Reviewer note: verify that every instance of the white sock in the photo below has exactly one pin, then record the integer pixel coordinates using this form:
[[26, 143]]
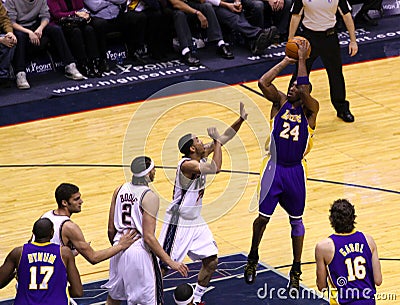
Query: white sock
[[185, 50], [221, 42], [198, 293]]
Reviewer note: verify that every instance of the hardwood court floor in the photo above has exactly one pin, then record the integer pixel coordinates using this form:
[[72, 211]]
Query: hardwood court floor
[[364, 153]]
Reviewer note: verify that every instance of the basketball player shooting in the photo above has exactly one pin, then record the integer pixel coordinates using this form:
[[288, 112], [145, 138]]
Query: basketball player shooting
[[293, 119]]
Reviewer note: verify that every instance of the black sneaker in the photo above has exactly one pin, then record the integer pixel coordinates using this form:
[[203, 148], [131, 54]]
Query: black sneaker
[[191, 60], [225, 52], [264, 40], [294, 284], [250, 272], [141, 56], [102, 65], [346, 116], [364, 19]]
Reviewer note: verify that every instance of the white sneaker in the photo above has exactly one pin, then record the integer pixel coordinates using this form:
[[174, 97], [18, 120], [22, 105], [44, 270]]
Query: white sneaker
[[72, 72], [22, 83]]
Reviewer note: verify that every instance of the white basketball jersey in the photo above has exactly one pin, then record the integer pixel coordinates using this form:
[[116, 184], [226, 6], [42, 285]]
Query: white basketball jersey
[[188, 193], [58, 221], [128, 213]]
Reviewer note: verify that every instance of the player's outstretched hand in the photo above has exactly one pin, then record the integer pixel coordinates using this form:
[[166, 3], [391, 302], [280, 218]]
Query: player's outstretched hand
[[127, 239], [213, 133], [243, 113], [180, 267]]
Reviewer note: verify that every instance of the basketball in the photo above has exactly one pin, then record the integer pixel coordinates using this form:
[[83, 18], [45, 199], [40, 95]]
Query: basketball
[[292, 48]]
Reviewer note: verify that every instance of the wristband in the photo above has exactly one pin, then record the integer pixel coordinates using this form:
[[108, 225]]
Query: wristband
[[303, 80]]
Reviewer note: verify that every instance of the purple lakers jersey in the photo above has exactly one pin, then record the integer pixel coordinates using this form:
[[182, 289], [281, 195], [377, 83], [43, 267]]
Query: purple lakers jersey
[[42, 276], [350, 271], [290, 135]]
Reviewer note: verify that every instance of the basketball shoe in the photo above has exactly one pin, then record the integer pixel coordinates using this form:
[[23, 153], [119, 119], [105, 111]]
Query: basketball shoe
[[294, 284], [250, 271]]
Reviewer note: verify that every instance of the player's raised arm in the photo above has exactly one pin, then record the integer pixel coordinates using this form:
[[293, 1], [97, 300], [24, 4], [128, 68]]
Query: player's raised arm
[[303, 85], [231, 131], [195, 166], [271, 93]]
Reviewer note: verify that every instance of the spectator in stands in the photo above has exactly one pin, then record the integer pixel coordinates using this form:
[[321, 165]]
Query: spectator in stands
[[30, 20], [157, 25], [362, 18], [231, 15], [205, 15], [277, 12], [81, 36], [7, 46], [114, 16]]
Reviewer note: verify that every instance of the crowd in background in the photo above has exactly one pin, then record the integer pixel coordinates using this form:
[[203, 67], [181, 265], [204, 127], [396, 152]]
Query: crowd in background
[[77, 30]]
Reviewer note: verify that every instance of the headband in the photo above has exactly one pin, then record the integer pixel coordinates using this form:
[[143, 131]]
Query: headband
[[183, 302], [145, 172]]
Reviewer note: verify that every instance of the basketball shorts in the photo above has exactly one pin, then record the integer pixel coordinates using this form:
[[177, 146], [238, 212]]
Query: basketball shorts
[[189, 237], [132, 276], [285, 185]]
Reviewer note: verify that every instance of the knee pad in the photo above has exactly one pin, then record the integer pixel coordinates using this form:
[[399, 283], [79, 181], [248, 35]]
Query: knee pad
[[297, 227]]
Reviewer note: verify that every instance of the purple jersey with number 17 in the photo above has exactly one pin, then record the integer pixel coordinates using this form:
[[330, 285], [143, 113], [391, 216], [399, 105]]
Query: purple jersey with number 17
[[350, 270], [42, 276]]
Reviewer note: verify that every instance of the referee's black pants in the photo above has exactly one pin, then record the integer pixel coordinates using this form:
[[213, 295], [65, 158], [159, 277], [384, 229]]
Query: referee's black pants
[[326, 45]]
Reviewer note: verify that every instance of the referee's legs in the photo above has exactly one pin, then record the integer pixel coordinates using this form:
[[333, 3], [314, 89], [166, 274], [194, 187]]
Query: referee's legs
[[332, 61]]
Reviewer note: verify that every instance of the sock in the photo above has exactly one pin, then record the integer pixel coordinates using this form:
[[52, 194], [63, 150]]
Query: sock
[[221, 42], [296, 266], [198, 293], [185, 50]]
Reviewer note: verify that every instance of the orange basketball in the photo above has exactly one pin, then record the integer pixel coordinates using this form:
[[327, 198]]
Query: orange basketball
[[292, 47]]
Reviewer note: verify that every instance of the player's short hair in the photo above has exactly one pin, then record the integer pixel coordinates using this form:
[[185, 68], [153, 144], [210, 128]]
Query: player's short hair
[[184, 144], [43, 228], [183, 294], [139, 167], [64, 192], [342, 216]]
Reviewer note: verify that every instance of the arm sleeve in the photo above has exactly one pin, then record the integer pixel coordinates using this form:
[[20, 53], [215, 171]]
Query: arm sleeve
[[96, 5], [297, 7], [5, 23], [11, 11], [344, 6], [214, 2], [44, 11], [56, 10]]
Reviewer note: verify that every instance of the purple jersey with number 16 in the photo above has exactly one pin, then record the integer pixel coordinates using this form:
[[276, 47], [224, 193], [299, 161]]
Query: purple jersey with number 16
[[350, 270]]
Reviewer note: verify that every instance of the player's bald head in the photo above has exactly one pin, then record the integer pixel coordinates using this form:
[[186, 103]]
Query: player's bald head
[[43, 228]]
